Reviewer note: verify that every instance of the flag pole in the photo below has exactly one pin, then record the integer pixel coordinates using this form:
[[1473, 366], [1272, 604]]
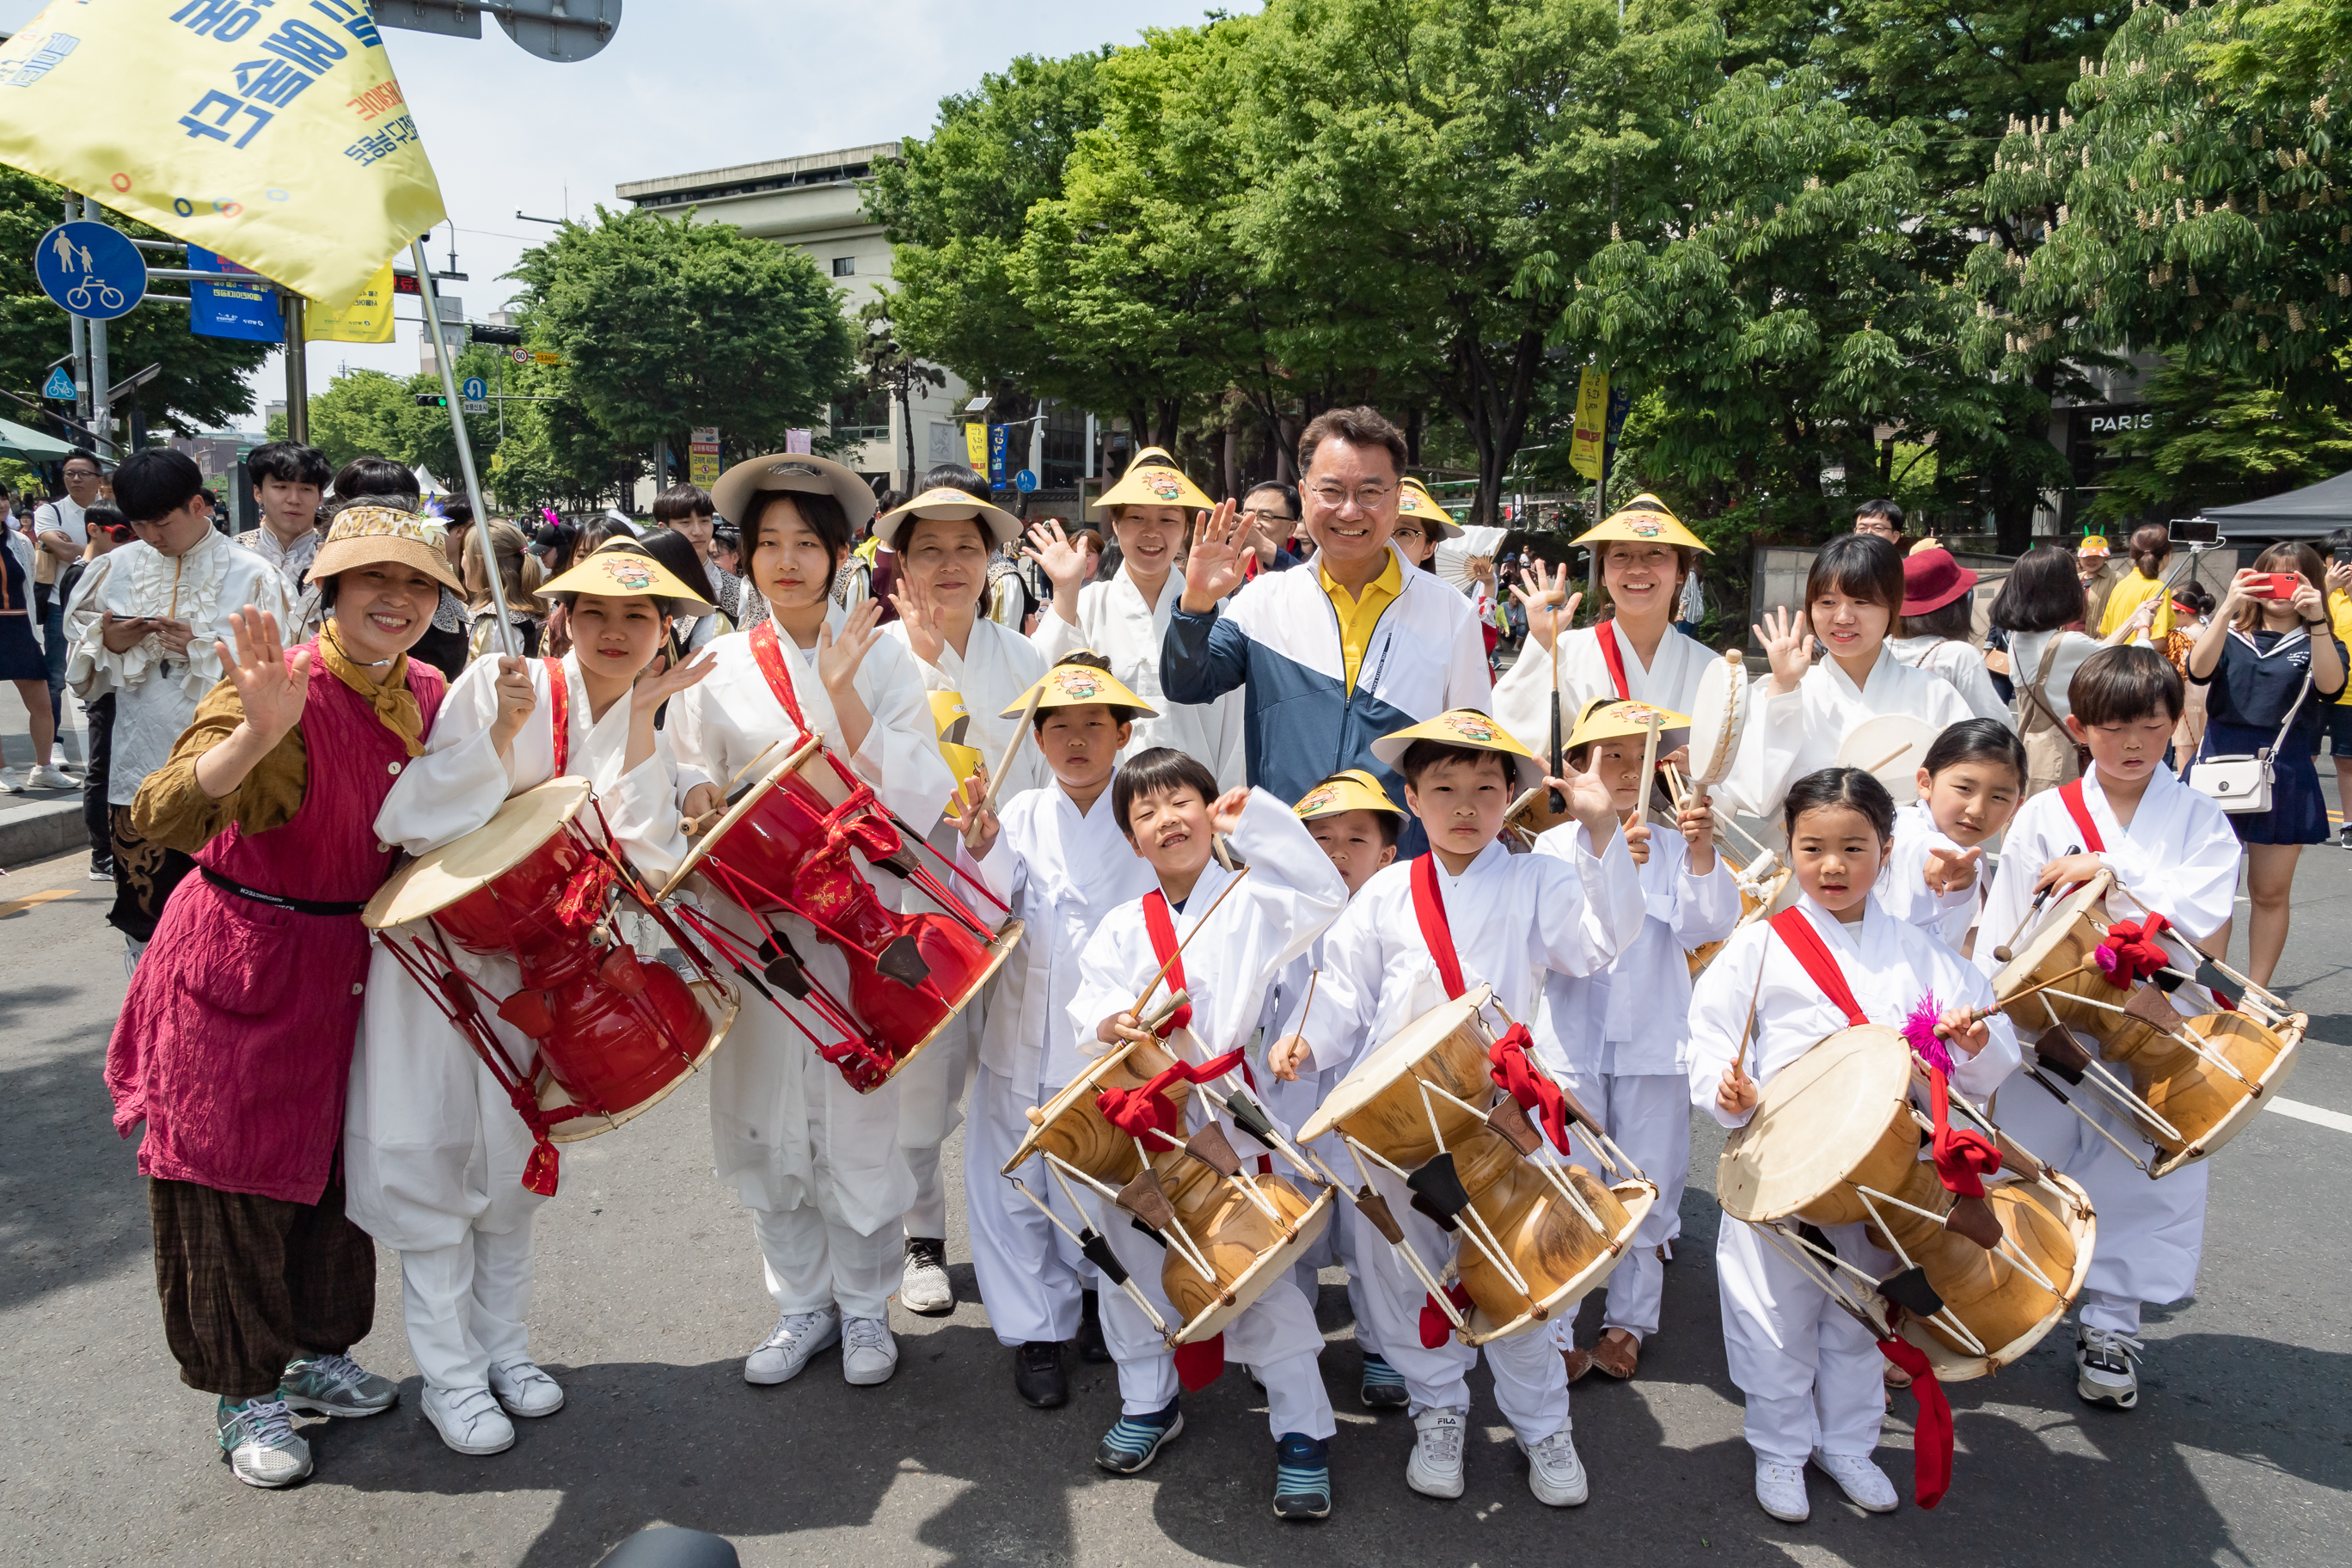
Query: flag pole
[[448, 366]]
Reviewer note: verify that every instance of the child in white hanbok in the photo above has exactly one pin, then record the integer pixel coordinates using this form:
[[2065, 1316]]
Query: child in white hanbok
[[1970, 784]]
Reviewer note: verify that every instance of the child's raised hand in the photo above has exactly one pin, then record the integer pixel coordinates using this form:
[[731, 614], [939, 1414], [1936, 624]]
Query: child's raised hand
[[1952, 871], [1225, 812], [1736, 1095], [979, 824]]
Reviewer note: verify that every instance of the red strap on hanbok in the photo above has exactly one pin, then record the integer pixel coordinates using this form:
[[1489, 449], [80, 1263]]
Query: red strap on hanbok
[[1820, 964], [559, 712], [2080, 810], [769, 655], [1605, 634], [1931, 1437], [1160, 924], [1429, 908]]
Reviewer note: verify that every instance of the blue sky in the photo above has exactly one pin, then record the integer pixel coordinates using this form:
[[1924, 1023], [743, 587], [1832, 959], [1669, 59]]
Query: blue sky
[[683, 85]]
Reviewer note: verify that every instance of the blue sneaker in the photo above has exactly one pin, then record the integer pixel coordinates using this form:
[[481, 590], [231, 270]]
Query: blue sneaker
[[1134, 1441], [1302, 1477], [1384, 1386]]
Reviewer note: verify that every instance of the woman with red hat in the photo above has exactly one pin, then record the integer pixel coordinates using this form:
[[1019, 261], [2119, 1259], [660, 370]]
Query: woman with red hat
[[1938, 618]]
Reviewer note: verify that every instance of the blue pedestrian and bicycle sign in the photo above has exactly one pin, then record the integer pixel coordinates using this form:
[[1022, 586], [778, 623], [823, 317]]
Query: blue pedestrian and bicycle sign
[[1024, 482], [91, 270], [60, 387]]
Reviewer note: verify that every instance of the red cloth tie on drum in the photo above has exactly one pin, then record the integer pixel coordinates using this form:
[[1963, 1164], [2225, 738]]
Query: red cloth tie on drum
[[1515, 1072], [1160, 926], [1429, 908], [2130, 953], [1605, 634], [559, 716], [1200, 1364], [1965, 1158], [1931, 1436], [1140, 1111], [1437, 1328]]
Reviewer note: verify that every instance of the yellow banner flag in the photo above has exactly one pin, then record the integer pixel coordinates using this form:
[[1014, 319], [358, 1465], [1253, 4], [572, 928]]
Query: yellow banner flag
[[272, 131], [975, 446], [1591, 432], [366, 319]]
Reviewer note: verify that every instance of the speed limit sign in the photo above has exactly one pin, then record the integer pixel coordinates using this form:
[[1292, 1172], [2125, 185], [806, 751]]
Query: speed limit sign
[[519, 356]]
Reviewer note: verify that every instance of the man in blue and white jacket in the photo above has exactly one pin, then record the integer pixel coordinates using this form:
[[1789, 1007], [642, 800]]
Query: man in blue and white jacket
[[1360, 644]]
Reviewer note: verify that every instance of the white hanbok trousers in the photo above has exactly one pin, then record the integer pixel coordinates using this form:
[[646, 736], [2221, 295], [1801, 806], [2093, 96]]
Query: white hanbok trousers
[[1030, 1274], [465, 1305], [1275, 1337], [1648, 1116], [1531, 1379], [1810, 1372]]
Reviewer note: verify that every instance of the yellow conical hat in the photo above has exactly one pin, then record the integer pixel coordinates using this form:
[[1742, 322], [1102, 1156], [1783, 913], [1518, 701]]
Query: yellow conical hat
[[1414, 500], [1463, 727], [1154, 479], [621, 569], [1606, 718], [1069, 685], [1354, 790], [1646, 519]]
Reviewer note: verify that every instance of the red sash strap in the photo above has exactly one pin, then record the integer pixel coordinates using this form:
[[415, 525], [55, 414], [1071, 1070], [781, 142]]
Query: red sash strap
[[559, 712], [1931, 1435], [1605, 634], [1437, 1328], [1161, 927], [1429, 908], [769, 655], [1821, 966], [2080, 810]]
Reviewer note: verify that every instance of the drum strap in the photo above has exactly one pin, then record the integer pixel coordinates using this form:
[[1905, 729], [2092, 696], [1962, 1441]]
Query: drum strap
[[559, 712], [1161, 927], [1820, 964], [1429, 908], [2080, 810], [770, 656], [1605, 634]]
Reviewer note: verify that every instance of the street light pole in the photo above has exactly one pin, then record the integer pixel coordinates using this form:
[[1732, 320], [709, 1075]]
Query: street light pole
[[101, 409], [297, 367]]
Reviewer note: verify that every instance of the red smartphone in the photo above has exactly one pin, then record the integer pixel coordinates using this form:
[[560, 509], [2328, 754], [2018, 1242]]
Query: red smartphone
[[2278, 585]]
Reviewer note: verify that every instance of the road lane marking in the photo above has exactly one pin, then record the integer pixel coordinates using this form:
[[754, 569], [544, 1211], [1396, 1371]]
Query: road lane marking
[[2319, 1116], [18, 906]]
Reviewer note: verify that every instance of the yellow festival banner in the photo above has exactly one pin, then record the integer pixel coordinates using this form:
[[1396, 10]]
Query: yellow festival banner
[[975, 446], [1585, 443], [366, 319], [272, 131]]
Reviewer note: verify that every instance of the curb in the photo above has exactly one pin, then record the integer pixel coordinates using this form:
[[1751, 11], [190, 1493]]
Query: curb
[[37, 828]]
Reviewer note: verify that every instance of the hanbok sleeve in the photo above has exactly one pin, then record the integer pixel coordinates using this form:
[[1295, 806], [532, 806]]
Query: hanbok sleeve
[[2191, 877], [1957, 983], [172, 808], [461, 780], [1347, 990], [1293, 890], [1769, 746], [1908, 896], [641, 808], [1719, 1017], [1707, 908], [1055, 637], [1589, 908], [1522, 699], [900, 754], [1107, 984]]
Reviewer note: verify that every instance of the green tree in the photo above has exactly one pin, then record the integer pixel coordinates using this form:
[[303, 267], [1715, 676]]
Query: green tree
[[201, 384], [666, 323], [2219, 437], [888, 370], [361, 414]]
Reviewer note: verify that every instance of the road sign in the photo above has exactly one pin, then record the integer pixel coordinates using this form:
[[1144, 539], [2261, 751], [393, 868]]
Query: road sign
[[540, 356], [1024, 482], [520, 357], [476, 390], [90, 269], [484, 332], [474, 404], [702, 456], [60, 385]]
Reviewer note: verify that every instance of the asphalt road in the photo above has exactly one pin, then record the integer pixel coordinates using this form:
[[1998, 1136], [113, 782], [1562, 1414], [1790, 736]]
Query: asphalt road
[[649, 1296]]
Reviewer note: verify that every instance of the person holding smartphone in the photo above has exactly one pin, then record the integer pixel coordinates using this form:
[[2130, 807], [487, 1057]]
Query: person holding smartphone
[[2339, 712]]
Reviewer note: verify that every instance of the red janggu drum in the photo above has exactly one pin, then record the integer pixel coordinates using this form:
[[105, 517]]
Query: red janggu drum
[[612, 1035], [790, 843]]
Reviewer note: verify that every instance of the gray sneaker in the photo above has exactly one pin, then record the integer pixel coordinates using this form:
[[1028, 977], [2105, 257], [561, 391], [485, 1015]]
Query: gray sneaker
[[796, 1337], [256, 1439], [336, 1386]]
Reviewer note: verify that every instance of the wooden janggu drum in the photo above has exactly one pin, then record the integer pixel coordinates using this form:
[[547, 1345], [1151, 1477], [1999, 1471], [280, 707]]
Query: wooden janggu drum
[[1536, 1235], [2192, 1083], [790, 842], [1835, 1140], [614, 1034], [1230, 1233]]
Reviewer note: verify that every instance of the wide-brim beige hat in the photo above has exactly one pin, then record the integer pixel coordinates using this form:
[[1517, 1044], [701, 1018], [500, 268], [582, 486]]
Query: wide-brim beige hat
[[953, 505], [1153, 479], [798, 473], [376, 536], [623, 569]]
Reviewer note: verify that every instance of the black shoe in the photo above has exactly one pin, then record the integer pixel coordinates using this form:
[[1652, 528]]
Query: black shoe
[[1091, 1348], [1038, 1375]]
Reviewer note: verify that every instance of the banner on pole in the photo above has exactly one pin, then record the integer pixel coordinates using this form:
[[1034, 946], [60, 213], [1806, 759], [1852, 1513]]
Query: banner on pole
[[272, 130], [244, 305], [1592, 421], [975, 446], [702, 456], [1000, 440], [366, 319]]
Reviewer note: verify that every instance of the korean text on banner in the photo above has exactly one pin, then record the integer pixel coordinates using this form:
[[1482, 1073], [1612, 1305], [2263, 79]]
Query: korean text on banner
[[702, 456], [1591, 420], [366, 319], [242, 306], [271, 131], [975, 446]]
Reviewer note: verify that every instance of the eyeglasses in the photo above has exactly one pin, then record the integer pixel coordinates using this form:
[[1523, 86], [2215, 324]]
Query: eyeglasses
[[1404, 532], [1365, 496], [1258, 514]]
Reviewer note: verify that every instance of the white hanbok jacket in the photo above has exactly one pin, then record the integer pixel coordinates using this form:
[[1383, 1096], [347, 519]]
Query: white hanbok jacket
[[1513, 918], [1633, 1017], [430, 1142], [997, 666], [1114, 622], [1791, 736], [1523, 697], [776, 1108], [1903, 887]]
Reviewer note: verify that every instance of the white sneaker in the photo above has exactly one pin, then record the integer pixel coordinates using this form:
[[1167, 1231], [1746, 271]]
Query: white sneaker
[[258, 1439], [923, 1284], [48, 777], [469, 1420], [11, 784], [1780, 1491], [1554, 1472], [1864, 1484], [2107, 1367], [790, 1345], [1436, 1467], [868, 1355], [524, 1389]]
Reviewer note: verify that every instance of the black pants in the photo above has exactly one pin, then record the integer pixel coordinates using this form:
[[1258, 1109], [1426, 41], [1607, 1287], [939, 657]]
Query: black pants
[[96, 816]]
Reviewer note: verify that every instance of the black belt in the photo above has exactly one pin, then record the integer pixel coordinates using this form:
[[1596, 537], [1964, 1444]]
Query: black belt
[[279, 900]]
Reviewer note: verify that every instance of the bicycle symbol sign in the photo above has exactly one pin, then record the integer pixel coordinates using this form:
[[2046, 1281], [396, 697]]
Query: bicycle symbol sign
[[91, 270]]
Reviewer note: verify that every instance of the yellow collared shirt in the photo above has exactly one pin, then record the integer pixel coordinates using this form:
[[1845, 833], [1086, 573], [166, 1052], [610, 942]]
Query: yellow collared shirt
[[1358, 615]]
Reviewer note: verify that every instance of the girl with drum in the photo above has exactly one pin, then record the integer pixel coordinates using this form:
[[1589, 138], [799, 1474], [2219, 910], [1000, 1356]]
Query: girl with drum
[[1127, 618], [1164, 803], [434, 1153], [1635, 654], [1835, 960], [942, 540], [1616, 1038], [1806, 707], [817, 1163], [2172, 851]]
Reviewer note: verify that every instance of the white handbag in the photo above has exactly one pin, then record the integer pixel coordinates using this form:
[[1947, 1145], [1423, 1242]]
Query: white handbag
[[2243, 783]]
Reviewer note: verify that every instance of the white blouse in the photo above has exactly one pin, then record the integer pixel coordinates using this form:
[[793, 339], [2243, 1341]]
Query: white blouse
[[1791, 736]]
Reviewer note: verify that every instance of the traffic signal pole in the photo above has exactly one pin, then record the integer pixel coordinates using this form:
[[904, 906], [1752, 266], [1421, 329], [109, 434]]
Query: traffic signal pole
[[443, 358]]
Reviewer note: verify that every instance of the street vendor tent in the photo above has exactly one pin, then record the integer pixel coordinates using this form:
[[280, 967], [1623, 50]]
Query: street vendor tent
[[2311, 512]]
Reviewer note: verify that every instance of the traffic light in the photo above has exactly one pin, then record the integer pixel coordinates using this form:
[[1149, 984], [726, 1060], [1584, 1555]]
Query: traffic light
[[482, 333], [431, 400]]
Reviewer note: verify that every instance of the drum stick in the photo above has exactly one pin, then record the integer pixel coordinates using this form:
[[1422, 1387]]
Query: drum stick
[[1181, 946], [2004, 951], [1649, 769], [1887, 757], [1028, 712], [1559, 802]]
